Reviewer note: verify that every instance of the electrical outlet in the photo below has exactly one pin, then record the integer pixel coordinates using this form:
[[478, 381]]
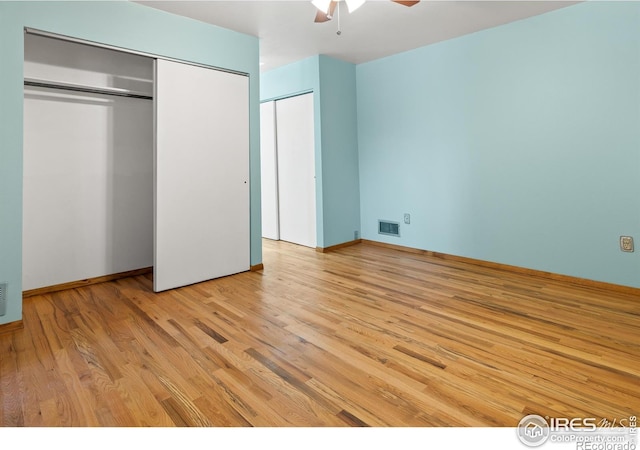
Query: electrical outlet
[[626, 243], [356, 235], [407, 218]]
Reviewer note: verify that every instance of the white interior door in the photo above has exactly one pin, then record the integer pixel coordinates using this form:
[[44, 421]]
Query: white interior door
[[296, 169], [269, 171], [201, 174]]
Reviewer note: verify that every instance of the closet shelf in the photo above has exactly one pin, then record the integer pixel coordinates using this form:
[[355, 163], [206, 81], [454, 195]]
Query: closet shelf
[[90, 89]]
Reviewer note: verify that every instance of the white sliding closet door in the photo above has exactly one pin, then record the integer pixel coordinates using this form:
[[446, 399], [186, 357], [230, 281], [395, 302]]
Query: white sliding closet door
[[269, 171], [201, 174], [296, 169]]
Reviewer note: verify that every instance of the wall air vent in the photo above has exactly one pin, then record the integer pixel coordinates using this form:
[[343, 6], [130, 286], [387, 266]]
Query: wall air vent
[[388, 228], [3, 299]]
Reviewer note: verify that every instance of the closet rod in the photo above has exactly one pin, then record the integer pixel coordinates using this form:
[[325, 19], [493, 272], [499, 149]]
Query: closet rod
[[89, 89]]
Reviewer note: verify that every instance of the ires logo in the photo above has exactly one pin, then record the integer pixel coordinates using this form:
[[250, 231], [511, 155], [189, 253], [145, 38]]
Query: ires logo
[[588, 434], [575, 424], [534, 430]]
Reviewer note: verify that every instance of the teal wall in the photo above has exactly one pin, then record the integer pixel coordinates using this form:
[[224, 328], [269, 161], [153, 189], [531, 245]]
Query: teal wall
[[518, 144], [340, 176], [122, 24], [337, 187], [296, 78]]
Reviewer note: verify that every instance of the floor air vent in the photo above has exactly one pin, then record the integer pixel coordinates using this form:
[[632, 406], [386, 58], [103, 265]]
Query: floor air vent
[[388, 228], [3, 299]]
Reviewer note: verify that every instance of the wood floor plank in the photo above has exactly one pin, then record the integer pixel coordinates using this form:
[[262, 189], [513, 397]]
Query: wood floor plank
[[136, 390], [362, 336], [11, 383]]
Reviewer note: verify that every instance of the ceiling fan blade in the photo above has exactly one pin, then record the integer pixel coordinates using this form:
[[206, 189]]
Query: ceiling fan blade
[[406, 3], [322, 16], [352, 5]]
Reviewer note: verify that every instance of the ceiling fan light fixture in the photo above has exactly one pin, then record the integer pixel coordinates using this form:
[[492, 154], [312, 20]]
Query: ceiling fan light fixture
[[352, 5]]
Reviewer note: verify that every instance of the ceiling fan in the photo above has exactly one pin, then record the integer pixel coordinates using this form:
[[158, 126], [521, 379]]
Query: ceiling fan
[[326, 8]]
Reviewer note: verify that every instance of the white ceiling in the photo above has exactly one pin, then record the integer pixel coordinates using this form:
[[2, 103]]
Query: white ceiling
[[379, 28]]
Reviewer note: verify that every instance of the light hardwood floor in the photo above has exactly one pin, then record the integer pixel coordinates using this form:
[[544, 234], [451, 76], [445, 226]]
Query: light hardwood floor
[[361, 336]]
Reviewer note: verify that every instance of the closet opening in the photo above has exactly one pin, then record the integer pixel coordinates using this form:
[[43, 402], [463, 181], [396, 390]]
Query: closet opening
[[115, 183], [88, 163]]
